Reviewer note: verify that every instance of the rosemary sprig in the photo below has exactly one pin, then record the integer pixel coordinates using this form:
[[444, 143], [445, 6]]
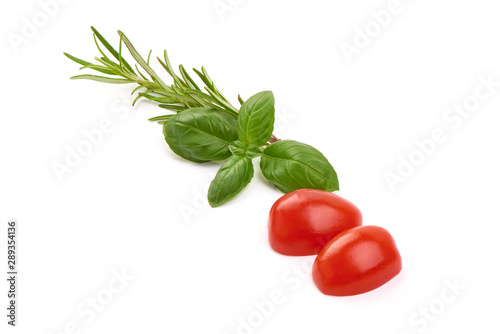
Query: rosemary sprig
[[183, 94]]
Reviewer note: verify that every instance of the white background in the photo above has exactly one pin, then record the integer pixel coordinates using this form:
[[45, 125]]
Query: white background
[[120, 208]]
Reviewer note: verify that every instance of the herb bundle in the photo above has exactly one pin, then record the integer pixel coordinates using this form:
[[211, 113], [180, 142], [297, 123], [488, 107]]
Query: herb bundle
[[204, 126]]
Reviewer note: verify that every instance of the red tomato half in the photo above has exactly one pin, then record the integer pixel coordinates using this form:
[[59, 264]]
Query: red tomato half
[[356, 261], [303, 221]]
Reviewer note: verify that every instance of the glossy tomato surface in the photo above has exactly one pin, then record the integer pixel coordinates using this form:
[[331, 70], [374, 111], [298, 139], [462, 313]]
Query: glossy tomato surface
[[356, 261], [303, 221]]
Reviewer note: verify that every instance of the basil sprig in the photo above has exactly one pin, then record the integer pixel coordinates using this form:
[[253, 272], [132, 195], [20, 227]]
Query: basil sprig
[[204, 134]]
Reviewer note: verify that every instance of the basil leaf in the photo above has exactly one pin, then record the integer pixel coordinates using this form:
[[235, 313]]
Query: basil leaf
[[231, 178], [241, 149], [200, 134], [290, 165], [256, 119]]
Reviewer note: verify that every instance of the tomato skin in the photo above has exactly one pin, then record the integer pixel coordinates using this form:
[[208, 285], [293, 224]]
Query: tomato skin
[[303, 221], [356, 261]]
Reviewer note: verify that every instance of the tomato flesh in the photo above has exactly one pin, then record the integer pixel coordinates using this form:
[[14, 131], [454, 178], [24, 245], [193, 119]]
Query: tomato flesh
[[356, 261], [303, 221]]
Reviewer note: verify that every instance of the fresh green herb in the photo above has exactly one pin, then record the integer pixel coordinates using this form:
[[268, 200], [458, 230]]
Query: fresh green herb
[[231, 178], [256, 119], [205, 126], [201, 134], [290, 165], [240, 149]]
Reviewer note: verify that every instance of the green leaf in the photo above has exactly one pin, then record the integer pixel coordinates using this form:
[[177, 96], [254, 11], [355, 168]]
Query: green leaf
[[187, 78], [173, 107], [290, 165], [200, 134], [241, 149], [77, 60], [256, 119], [99, 68], [111, 49], [141, 61], [173, 96], [160, 118], [231, 178], [102, 79]]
